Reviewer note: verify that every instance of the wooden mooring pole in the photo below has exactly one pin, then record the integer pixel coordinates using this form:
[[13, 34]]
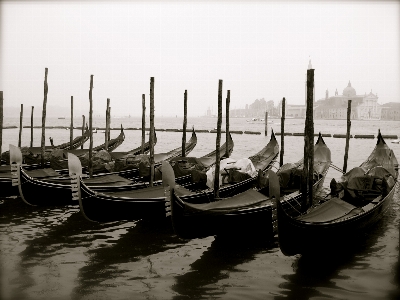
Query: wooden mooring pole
[[71, 127], [346, 150], [21, 115], [282, 133], [266, 124], [1, 122], [308, 168], [228, 101], [31, 144], [109, 123], [151, 130], [143, 122], [184, 124], [218, 142], [107, 131], [90, 127], [42, 143], [83, 127]]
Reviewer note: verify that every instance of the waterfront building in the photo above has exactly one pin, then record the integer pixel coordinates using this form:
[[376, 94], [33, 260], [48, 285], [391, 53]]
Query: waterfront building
[[363, 107], [391, 111]]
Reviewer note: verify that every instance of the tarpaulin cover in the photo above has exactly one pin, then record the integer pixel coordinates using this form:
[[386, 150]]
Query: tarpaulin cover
[[328, 211], [246, 199], [42, 173]]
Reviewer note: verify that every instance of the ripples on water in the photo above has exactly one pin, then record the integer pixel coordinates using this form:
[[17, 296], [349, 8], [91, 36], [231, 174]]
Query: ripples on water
[[54, 253]]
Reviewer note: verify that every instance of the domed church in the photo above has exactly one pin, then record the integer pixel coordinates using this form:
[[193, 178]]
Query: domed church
[[363, 107]]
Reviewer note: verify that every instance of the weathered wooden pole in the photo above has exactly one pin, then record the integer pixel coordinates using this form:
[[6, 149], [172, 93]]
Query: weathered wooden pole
[[282, 133], [1, 122], [266, 124], [32, 126], [21, 115], [346, 150], [184, 124], [151, 130], [71, 127], [228, 101], [83, 127], [143, 122], [42, 144], [218, 142], [308, 168], [90, 127], [109, 123], [107, 131]]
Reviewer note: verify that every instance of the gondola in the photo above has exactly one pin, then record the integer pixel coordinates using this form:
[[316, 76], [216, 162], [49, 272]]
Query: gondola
[[127, 203], [244, 210], [356, 202], [55, 190], [34, 151]]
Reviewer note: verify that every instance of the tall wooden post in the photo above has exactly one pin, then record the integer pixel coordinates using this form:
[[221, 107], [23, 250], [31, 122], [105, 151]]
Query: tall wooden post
[[228, 101], [107, 131], [1, 122], [346, 151], [266, 124], [308, 169], [109, 123], [32, 126], [71, 127], [21, 115], [151, 130], [143, 122], [218, 142], [282, 133], [42, 144], [90, 127], [184, 124], [83, 127]]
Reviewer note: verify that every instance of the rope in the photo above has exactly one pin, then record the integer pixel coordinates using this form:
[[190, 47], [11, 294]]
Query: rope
[[336, 168]]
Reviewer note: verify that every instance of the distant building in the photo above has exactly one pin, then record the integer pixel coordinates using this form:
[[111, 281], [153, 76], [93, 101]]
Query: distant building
[[363, 107], [391, 111]]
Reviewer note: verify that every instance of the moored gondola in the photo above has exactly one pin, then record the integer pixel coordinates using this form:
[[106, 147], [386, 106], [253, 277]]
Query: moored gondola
[[244, 210], [55, 189], [127, 203], [356, 202]]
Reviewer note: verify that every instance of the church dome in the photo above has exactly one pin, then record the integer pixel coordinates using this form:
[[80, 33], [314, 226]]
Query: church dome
[[349, 91]]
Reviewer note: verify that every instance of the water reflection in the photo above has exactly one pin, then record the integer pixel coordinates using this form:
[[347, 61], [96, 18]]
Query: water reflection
[[215, 264], [110, 263], [332, 274]]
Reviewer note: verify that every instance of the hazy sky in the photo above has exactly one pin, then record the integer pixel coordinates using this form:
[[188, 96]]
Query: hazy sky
[[260, 49]]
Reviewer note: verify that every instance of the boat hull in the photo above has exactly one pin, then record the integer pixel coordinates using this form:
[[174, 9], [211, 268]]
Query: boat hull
[[296, 237]]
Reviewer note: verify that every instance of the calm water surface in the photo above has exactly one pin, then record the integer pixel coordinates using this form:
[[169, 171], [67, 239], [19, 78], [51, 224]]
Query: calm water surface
[[55, 253]]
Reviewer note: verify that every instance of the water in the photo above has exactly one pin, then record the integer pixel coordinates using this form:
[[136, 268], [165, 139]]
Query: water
[[54, 253]]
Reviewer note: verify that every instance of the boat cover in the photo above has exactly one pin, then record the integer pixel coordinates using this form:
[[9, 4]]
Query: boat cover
[[42, 173], [328, 211], [243, 200]]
